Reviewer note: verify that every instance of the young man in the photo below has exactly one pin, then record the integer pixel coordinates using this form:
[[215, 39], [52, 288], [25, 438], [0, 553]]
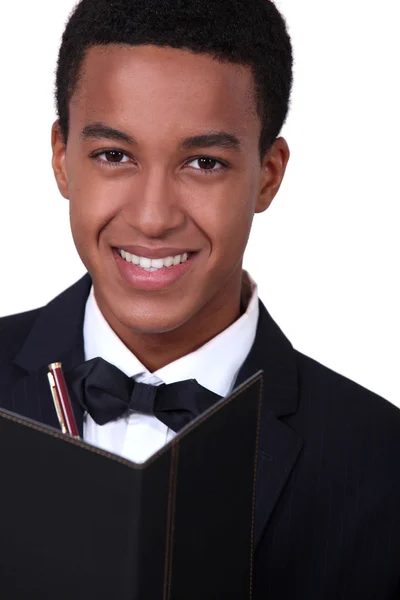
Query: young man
[[165, 147]]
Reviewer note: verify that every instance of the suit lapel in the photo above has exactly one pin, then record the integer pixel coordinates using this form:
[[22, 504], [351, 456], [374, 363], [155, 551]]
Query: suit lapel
[[279, 449], [279, 446], [56, 336]]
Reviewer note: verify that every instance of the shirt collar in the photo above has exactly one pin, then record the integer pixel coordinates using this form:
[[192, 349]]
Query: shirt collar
[[215, 365]]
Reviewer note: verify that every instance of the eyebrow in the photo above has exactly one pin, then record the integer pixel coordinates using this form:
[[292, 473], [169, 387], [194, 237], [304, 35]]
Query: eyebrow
[[100, 131], [217, 139]]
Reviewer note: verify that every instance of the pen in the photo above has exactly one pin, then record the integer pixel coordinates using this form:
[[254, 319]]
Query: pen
[[61, 400]]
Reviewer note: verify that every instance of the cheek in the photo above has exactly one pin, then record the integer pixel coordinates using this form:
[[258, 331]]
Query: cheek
[[226, 219], [93, 204], [234, 236], [93, 199]]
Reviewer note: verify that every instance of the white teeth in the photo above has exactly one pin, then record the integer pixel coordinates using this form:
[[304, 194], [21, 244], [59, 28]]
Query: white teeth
[[157, 263], [145, 263], [154, 264]]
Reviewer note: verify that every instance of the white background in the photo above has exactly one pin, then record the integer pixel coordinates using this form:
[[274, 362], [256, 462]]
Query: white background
[[326, 255]]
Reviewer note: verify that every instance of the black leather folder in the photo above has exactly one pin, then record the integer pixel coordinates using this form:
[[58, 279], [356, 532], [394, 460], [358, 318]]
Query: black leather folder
[[79, 523]]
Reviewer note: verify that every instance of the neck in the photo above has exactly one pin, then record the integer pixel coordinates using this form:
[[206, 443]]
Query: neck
[[157, 350]]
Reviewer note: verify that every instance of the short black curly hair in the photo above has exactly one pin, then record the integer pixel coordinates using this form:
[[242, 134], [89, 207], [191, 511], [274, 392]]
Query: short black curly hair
[[246, 32]]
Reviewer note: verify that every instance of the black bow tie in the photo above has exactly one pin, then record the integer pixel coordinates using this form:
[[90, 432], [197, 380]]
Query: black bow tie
[[106, 393]]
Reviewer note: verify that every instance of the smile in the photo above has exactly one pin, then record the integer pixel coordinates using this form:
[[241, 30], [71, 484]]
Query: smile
[[153, 264]]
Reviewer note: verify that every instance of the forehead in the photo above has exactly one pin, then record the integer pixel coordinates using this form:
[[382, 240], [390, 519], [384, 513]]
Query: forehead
[[139, 86]]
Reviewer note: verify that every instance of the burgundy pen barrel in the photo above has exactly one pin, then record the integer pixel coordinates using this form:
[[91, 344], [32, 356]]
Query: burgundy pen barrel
[[64, 400]]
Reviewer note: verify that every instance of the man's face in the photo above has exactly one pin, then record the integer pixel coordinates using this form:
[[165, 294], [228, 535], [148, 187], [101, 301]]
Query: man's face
[[162, 164]]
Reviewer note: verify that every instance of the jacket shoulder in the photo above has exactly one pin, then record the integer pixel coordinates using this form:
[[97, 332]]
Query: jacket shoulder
[[13, 331], [342, 399]]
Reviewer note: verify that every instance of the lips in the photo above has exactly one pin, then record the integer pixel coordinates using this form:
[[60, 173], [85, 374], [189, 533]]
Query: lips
[[153, 278]]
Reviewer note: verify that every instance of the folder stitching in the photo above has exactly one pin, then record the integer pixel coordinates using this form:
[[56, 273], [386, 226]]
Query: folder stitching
[[215, 409], [211, 412], [74, 441], [173, 479], [253, 515], [93, 449]]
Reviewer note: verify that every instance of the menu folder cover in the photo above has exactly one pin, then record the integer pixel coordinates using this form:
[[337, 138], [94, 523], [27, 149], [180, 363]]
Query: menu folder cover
[[77, 522]]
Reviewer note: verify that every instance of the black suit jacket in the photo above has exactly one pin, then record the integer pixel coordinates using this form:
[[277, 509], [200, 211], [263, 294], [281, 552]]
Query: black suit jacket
[[328, 486]]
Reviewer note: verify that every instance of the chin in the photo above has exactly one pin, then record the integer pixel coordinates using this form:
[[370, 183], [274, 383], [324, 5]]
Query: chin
[[149, 317], [150, 314], [152, 325]]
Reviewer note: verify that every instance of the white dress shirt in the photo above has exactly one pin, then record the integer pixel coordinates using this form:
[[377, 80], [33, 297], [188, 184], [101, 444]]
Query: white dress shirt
[[215, 366]]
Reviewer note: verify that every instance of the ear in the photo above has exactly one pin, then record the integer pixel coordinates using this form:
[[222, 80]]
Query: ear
[[273, 170], [58, 161]]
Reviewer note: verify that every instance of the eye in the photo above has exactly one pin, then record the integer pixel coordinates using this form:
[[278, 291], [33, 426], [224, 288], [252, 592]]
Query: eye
[[206, 163], [112, 157]]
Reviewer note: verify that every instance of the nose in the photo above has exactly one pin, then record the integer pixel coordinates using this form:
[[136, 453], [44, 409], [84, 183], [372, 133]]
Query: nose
[[154, 207]]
